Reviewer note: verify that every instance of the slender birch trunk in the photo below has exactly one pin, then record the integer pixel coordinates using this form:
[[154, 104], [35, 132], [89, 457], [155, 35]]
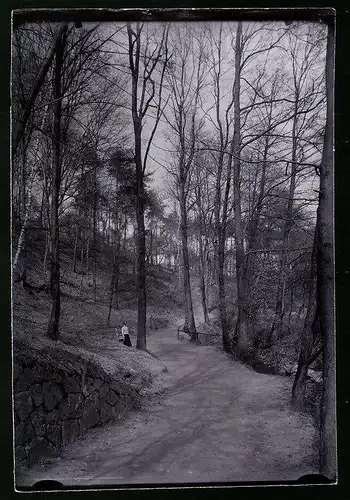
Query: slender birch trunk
[[32, 174]]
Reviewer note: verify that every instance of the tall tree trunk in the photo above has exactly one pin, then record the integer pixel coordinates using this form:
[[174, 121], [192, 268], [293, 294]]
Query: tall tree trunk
[[202, 278], [189, 316], [201, 256], [87, 256], [141, 271], [112, 287], [221, 255], [291, 307], [307, 337], [134, 261], [23, 274], [82, 262], [150, 250], [141, 239], [94, 236], [42, 205], [277, 324], [116, 256], [139, 108], [22, 187], [102, 218], [251, 256], [156, 261], [125, 232], [46, 252], [178, 255], [244, 341], [219, 248], [150, 246], [325, 263], [53, 327], [108, 225], [117, 269], [222, 293], [75, 250]]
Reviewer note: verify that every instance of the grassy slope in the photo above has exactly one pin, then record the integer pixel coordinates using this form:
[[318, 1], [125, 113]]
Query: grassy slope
[[83, 324]]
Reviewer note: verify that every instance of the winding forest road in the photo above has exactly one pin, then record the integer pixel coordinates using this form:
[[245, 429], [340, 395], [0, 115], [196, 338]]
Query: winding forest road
[[217, 421]]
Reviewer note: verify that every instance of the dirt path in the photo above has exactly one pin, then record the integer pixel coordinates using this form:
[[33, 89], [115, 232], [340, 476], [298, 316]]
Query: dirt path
[[217, 421]]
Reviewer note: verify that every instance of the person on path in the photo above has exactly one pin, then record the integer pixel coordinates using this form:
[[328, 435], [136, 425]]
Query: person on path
[[126, 336]]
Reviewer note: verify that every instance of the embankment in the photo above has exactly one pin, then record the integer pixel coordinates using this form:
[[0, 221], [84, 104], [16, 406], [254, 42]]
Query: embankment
[[61, 392]]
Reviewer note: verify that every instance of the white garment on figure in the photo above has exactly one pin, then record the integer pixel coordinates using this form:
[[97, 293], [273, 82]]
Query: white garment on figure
[[125, 331]]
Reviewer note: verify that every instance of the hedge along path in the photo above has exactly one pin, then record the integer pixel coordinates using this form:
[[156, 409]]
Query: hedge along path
[[216, 420]]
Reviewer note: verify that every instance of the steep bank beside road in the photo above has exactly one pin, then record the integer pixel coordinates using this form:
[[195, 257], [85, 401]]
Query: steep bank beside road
[[62, 391]]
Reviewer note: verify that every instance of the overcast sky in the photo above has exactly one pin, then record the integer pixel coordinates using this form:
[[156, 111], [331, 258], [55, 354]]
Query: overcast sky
[[275, 65]]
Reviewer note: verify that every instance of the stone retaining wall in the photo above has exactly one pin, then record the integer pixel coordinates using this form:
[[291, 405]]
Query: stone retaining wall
[[58, 399]]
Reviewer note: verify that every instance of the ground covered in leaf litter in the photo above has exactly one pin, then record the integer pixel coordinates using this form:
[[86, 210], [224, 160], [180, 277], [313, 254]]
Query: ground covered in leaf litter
[[207, 419]]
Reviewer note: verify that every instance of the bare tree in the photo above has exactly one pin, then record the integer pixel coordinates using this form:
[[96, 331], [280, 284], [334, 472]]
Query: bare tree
[[54, 287], [185, 80], [27, 109], [204, 210], [243, 336], [223, 126], [143, 71], [309, 331], [303, 93]]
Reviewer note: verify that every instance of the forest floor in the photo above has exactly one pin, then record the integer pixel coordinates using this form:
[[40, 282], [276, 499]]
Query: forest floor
[[208, 419]]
